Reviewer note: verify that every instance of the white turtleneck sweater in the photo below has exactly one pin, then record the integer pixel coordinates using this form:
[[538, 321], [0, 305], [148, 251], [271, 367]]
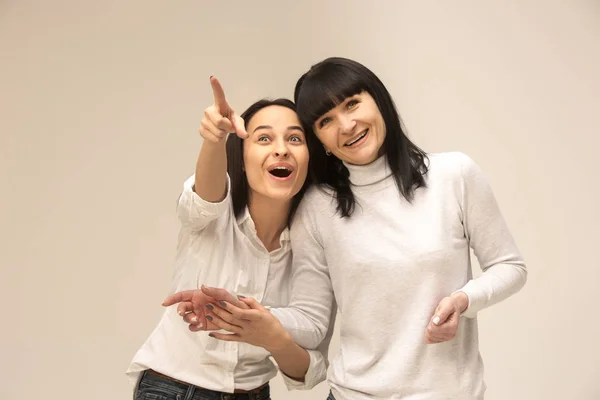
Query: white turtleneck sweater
[[387, 267]]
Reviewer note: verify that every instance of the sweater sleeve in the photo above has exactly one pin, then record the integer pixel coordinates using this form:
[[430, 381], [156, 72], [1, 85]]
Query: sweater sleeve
[[319, 362], [504, 271], [312, 304]]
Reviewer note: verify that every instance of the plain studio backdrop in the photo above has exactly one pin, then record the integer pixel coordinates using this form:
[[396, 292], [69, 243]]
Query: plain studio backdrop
[[100, 102]]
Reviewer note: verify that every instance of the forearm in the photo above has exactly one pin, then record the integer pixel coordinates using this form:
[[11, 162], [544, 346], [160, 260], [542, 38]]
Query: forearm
[[211, 171], [292, 359], [497, 283], [307, 330]]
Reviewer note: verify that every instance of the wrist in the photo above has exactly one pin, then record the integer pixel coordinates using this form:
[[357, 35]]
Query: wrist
[[280, 343], [218, 145], [461, 300]]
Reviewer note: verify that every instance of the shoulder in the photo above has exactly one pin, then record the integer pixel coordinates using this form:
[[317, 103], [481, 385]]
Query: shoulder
[[317, 197], [451, 165], [318, 201]]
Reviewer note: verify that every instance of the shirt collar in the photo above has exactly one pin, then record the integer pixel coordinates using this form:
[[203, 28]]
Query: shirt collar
[[245, 218]]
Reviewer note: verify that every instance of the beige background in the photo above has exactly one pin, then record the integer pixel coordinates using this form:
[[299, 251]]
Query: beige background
[[99, 107]]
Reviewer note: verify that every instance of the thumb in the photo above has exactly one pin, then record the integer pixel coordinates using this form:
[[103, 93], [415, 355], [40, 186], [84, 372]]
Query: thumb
[[238, 125], [444, 310], [252, 303]]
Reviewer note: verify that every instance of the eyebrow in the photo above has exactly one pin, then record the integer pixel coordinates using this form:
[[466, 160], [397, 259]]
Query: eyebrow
[[289, 128]]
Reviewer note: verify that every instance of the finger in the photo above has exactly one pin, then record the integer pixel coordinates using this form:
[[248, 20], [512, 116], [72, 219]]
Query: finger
[[209, 131], [222, 294], [196, 328], [228, 337], [431, 341], [218, 322], [253, 304], [238, 125], [190, 314], [226, 315], [243, 315], [219, 96], [178, 297], [444, 310], [193, 319], [438, 334], [212, 115], [185, 307]]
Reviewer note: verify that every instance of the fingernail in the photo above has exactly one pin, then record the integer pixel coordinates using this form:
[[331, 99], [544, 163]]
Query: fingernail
[[211, 76], [195, 320], [210, 307], [200, 325], [222, 303], [436, 320], [208, 317], [211, 335], [180, 312], [241, 297]]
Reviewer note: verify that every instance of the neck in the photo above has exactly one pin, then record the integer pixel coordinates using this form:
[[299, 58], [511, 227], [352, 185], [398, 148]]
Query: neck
[[270, 219]]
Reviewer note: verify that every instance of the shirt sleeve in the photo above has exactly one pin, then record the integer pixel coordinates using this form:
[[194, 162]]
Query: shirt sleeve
[[312, 303], [196, 213], [504, 271]]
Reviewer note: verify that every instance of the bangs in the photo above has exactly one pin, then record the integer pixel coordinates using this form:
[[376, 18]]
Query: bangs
[[323, 90]]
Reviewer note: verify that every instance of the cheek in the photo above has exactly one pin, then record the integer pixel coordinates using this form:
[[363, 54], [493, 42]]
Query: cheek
[[251, 165], [324, 138], [302, 158]]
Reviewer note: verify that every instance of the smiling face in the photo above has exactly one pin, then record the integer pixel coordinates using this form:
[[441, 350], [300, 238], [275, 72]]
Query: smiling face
[[275, 154], [354, 130]]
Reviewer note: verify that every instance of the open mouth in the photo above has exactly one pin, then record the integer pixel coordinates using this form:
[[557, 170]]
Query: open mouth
[[280, 171], [358, 138]]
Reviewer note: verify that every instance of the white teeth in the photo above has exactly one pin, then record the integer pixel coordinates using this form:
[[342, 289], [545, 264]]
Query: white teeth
[[357, 139]]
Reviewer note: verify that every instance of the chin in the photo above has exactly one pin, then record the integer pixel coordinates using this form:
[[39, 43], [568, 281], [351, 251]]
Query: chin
[[282, 194]]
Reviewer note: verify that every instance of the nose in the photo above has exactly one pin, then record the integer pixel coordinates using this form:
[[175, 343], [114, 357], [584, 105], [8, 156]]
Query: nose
[[281, 149], [346, 124]]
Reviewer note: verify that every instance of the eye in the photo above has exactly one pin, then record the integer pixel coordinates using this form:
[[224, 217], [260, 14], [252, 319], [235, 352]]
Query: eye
[[352, 103], [296, 139], [263, 138], [324, 122]]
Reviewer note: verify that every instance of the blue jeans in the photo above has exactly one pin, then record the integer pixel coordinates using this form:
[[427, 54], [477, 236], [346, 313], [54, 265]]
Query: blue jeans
[[153, 387]]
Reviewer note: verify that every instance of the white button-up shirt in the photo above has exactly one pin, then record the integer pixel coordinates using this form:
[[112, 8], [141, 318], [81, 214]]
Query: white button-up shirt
[[217, 249]]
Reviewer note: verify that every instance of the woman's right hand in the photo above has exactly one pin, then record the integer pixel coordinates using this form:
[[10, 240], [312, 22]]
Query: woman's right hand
[[255, 326], [220, 119]]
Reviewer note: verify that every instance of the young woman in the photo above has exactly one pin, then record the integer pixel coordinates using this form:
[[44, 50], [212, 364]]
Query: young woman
[[234, 213], [385, 234]]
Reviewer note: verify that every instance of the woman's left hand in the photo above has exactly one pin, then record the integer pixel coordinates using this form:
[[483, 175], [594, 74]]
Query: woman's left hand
[[444, 322], [256, 326]]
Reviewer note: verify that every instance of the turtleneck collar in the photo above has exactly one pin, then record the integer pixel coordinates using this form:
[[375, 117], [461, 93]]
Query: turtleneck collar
[[364, 175]]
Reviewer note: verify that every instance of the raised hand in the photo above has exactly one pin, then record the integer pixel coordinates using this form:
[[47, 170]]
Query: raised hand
[[220, 119]]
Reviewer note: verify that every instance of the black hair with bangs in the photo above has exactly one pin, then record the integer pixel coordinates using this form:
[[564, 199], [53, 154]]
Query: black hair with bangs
[[326, 85]]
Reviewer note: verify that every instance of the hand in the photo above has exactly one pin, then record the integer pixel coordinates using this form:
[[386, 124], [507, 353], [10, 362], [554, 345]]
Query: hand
[[256, 326], [444, 323], [220, 119], [191, 306]]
